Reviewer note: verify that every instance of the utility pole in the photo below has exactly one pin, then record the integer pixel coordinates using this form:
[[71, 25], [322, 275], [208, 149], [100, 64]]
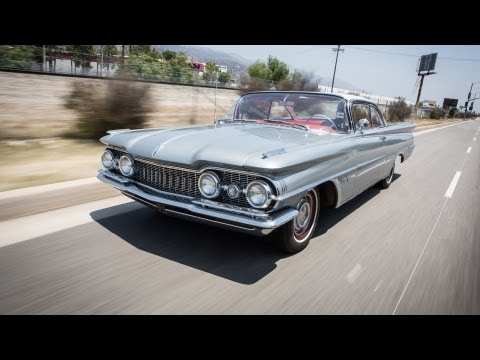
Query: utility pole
[[44, 66], [337, 50], [101, 65]]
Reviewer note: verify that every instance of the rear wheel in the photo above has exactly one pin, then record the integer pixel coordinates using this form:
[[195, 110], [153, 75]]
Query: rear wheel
[[294, 236], [385, 183]]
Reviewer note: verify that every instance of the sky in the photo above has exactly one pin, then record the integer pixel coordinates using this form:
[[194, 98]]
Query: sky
[[388, 70]]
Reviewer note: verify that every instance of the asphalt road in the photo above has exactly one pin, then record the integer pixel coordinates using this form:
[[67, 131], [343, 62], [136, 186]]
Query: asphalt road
[[411, 249]]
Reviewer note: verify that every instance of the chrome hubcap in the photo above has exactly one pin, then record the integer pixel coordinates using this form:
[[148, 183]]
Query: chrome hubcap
[[302, 220]]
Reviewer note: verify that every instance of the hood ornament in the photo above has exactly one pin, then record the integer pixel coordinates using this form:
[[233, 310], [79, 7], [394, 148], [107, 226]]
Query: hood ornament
[[273, 152]]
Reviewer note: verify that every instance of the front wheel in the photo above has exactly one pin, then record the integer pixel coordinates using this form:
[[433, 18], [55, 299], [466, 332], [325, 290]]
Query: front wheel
[[294, 236]]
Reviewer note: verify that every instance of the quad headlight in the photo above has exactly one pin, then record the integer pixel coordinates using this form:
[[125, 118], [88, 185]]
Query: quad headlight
[[209, 185], [108, 160], [125, 164], [259, 194]]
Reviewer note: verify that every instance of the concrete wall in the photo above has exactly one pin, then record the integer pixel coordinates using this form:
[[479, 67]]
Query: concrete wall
[[32, 106]]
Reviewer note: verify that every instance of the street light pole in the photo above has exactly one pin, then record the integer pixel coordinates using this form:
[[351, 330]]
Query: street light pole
[[337, 50], [216, 82]]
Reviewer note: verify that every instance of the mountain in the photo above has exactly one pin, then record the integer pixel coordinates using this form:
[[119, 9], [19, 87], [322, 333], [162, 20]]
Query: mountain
[[234, 62]]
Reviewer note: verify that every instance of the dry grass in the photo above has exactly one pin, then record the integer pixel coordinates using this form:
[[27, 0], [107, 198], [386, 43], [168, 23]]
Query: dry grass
[[38, 162], [427, 122]]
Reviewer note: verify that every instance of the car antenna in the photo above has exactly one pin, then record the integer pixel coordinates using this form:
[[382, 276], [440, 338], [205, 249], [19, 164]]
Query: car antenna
[[215, 111]]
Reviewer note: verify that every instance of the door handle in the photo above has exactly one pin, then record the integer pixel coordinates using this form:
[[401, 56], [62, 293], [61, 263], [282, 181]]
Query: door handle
[[383, 138]]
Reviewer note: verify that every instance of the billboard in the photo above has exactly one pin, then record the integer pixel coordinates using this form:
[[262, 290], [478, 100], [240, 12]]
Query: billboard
[[447, 103], [427, 62]]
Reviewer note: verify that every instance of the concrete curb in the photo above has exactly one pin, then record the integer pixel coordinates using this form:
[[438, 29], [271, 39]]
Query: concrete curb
[[429, 129], [420, 128]]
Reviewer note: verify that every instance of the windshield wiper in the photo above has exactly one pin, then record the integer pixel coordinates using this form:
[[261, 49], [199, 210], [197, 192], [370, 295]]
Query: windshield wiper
[[237, 120]]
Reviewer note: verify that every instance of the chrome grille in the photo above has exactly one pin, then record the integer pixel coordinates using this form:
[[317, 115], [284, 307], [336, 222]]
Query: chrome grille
[[167, 179], [237, 178], [185, 182]]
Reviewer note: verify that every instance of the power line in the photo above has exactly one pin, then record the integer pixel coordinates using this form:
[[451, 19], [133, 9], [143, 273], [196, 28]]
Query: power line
[[381, 51], [411, 55]]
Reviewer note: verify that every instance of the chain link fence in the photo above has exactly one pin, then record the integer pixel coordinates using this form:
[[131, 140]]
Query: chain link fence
[[61, 62]]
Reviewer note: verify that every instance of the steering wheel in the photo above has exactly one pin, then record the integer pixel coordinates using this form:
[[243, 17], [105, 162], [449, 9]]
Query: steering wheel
[[321, 116]]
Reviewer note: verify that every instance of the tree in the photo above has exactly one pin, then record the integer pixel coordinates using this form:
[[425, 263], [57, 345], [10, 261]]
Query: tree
[[224, 77], [278, 69], [82, 55], [146, 66], [17, 56], [259, 70], [211, 71], [273, 70], [300, 82], [109, 52], [168, 55], [144, 49]]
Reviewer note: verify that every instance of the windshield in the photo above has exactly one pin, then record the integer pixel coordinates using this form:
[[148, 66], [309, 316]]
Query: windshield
[[318, 111]]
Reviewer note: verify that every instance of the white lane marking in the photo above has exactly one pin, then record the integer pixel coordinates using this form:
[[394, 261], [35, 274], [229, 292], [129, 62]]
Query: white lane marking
[[475, 138], [421, 132], [376, 287], [418, 260], [42, 188], [353, 274], [454, 182], [469, 149], [29, 227]]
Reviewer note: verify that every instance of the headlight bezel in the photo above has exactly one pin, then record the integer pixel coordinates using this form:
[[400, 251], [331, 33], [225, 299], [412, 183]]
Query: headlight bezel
[[268, 191], [217, 184], [132, 162], [108, 152]]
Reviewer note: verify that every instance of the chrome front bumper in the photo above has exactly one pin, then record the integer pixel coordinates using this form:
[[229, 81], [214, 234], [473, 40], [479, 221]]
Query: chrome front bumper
[[249, 221]]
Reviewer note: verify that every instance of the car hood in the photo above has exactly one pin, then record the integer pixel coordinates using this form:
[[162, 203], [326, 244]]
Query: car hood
[[242, 146]]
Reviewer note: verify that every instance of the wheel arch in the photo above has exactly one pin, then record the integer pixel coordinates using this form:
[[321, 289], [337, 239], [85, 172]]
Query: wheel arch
[[328, 192]]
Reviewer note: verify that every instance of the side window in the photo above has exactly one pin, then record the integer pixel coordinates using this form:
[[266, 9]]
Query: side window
[[376, 118], [360, 111]]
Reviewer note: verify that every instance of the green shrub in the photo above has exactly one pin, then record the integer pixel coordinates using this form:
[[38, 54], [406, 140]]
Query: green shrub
[[438, 113], [399, 110]]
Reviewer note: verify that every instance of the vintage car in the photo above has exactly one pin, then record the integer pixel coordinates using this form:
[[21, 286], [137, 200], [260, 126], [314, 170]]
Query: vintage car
[[266, 167]]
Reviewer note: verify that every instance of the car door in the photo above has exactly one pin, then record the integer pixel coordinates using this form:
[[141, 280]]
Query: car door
[[378, 124], [371, 148]]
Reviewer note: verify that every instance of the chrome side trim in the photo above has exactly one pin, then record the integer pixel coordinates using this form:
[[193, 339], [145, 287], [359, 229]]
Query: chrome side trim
[[411, 146]]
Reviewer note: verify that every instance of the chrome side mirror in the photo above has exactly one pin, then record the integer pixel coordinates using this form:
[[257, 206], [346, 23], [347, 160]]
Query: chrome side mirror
[[362, 124]]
